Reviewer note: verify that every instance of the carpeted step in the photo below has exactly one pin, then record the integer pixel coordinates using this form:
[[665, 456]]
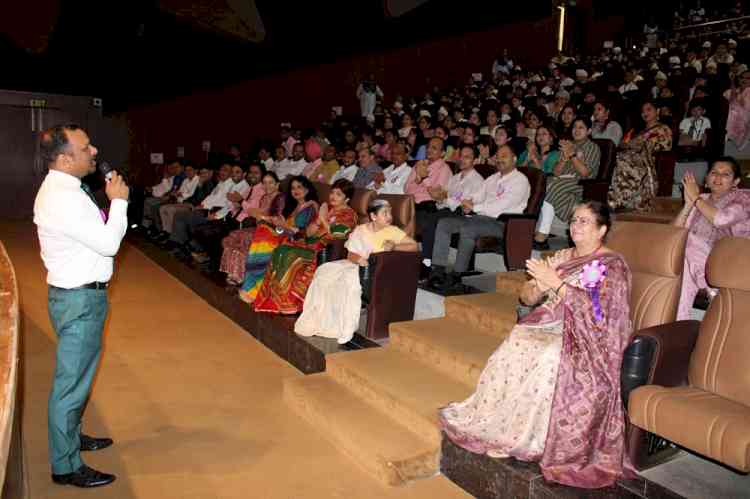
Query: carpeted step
[[437, 487], [511, 282], [448, 345], [367, 435], [399, 384], [493, 314]]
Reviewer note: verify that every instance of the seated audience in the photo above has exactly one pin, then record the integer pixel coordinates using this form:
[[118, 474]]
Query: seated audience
[[293, 263], [236, 244], [207, 237], [541, 153], [167, 212], [507, 191], [603, 127], [723, 212], [579, 159], [333, 302], [348, 167], [368, 169], [300, 210], [426, 175], [327, 168], [634, 180], [290, 167], [467, 184], [213, 208], [187, 188], [393, 179], [160, 193], [531, 389]]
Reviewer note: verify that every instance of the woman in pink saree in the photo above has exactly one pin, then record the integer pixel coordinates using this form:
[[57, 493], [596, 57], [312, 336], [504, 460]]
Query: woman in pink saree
[[723, 212], [551, 392]]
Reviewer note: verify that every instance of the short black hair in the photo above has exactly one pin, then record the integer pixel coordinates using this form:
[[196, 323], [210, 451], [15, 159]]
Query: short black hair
[[54, 142], [345, 186], [259, 165]]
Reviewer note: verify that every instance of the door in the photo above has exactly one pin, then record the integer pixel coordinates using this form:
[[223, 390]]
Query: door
[[21, 170]]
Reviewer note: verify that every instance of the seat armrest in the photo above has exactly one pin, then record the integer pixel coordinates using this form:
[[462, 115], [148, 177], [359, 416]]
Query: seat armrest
[[334, 250], [518, 240], [673, 345], [393, 290]]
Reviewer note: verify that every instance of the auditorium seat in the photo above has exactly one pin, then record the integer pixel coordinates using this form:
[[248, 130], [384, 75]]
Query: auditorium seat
[[717, 394], [596, 189]]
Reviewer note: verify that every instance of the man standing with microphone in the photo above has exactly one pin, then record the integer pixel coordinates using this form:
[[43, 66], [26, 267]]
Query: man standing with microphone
[[78, 244]]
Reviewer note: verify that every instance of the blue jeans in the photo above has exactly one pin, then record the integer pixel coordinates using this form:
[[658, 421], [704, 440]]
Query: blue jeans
[[77, 316]]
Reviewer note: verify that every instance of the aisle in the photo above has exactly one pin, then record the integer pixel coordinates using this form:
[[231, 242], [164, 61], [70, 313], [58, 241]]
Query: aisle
[[193, 401]]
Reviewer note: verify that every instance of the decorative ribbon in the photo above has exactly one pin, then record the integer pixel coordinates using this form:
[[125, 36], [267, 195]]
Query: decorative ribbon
[[592, 276]]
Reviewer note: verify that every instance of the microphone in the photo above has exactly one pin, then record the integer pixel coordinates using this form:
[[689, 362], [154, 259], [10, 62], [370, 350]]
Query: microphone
[[105, 170]]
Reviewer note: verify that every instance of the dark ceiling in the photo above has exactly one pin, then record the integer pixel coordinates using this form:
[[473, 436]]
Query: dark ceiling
[[139, 51]]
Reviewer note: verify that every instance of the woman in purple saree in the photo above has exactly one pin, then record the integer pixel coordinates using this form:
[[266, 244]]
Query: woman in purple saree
[[551, 392]]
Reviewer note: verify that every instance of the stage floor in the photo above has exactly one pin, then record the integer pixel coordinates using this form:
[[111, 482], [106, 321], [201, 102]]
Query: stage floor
[[192, 400]]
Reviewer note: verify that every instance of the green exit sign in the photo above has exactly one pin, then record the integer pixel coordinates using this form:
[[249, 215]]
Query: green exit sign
[[38, 103]]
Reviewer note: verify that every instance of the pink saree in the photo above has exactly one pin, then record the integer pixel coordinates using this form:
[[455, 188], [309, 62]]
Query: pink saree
[[551, 392]]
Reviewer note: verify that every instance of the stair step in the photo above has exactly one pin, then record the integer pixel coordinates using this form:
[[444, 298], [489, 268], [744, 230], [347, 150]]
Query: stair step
[[437, 487], [511, 282], [399, 384], [367, 435], [493, 314], [448, 345]]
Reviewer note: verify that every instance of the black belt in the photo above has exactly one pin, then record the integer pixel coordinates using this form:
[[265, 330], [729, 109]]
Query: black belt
[[90, 285]]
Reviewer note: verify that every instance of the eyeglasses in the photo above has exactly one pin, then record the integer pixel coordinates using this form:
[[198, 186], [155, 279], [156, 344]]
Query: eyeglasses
[[581, 221]]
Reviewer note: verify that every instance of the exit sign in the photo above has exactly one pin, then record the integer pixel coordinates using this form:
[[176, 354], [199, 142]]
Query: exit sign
[[37, 103]]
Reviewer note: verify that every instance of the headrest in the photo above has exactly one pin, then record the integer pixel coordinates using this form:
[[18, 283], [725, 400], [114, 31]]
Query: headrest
[[648, 247], [728, 264]]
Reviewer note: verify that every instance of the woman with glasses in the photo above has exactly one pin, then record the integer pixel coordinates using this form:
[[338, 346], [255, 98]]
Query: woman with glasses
[[722, 212], [551, 392]]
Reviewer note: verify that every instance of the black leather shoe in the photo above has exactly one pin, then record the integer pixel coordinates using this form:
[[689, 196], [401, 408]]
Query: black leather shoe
[[424, 273], [92, 443], [84, 477]]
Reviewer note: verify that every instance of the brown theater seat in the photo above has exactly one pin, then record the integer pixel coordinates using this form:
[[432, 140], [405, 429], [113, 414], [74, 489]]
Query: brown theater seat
[[596, 189], [711, 415]]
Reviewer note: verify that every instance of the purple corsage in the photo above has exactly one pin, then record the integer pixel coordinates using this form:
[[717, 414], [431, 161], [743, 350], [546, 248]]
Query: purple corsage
[[592, 276]]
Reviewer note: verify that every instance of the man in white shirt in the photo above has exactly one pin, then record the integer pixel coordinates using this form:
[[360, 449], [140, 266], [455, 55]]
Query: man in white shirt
[[294, 166], [628, 85], [186, 189], [467, 184], [78, 244], [159, 192], [507, 191], [213, 203], [349, 169], [264, 156], [393, 179]]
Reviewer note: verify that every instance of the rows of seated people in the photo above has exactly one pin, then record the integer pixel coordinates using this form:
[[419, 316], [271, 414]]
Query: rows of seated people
[[263, 224]]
